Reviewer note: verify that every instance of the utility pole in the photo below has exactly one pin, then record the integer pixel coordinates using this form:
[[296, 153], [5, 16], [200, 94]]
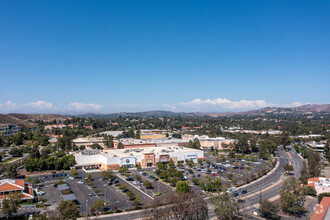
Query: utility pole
[[86, 209], [105, 194]]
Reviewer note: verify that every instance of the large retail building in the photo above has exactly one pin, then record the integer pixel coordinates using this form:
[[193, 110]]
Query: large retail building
[[146, 157]]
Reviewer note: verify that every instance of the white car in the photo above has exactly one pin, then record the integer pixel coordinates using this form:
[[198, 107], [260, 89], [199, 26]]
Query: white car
[[71, 177], [40, 193], [137, 183], [80, 182]]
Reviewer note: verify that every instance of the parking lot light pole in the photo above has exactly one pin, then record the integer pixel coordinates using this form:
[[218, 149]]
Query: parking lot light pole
[[105, 193], [86, 209]]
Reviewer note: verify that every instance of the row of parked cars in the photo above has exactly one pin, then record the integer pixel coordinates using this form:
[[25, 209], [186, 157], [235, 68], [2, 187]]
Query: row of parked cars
[[148, 175]]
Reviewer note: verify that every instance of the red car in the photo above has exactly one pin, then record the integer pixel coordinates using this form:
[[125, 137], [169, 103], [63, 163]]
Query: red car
[[214, 174]]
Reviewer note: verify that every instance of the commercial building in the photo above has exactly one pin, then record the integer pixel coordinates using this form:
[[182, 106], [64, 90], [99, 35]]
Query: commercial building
[[8, 186], [317, 146], [133, 143], [322, 211], [59, 126], [146, 157], [112, 133], [87, 141], [321, 184], [218, 142], [153, 142], [9, 129], [152, 135]]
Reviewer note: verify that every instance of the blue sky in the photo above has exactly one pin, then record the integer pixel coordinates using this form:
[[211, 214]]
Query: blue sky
[[110, 56]]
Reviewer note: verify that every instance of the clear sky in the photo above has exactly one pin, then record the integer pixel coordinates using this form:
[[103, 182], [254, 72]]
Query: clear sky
[[109, 56]]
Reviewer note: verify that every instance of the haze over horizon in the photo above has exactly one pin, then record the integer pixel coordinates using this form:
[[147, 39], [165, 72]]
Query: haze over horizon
[[182, 56]]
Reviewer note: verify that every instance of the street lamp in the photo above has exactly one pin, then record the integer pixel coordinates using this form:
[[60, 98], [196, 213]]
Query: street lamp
[[87, 209]]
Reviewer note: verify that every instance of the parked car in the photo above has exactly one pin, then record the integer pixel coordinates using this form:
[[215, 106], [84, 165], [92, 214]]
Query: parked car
[[240, 200], [109, 183], [129, 179], [214, 174], [124, 190], [137, 183], [71, 178], [244, 192], [80, 182], [91, 194], [40, 193]]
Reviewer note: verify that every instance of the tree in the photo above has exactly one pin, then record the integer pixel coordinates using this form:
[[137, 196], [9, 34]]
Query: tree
[[197, 144], [288, 167], [99, 205], [147, 184], [89, 177], [108, 141], [242, 145], [313, 159], [292, 197], [138, 166], [68, 210], [194, 144], [73, 172], [138, 134], [320, 197], [28, 179], [226, 207], [200, 161], [179, 206], [304, 174], [82, 147], [120, 145], [309, 190], [137, 201], [36, 181], [268, 209], [107, 175], [16, 152], [231, 154], [195, 180], [182, 187], [11, 170], [10, 204], [285, 139], [190, 162], [176, 135], [171, 163], [266, 147]]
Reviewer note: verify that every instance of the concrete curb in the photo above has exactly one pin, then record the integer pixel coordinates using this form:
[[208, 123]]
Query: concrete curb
[[136, 187], [138, 211], [263, 177]]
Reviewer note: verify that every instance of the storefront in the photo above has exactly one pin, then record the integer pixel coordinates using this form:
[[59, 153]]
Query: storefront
[[128, 161], [164, 159]]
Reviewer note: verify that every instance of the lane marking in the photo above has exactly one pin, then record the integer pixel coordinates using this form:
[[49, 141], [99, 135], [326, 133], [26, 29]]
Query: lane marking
[[289, 155], [264, 189]]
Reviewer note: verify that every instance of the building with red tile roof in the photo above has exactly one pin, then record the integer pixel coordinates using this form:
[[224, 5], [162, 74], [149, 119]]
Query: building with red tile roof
[[321, 184], [322, 212], [8, 186]]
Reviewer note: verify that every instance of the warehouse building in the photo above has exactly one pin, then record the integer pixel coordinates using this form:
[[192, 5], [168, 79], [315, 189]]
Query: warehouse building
[[146, 157]]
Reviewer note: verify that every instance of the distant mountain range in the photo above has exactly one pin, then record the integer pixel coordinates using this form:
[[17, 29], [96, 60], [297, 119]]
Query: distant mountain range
[[301, 109], [26, 119]]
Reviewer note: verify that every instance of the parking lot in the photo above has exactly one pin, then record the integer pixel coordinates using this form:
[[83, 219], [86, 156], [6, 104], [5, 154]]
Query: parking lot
[[84, 193]]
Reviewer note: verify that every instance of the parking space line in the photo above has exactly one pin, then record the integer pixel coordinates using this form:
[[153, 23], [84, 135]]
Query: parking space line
[[135, 187]]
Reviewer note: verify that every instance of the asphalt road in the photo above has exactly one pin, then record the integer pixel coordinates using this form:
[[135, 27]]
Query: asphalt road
[[273, 182], [270, 187]]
